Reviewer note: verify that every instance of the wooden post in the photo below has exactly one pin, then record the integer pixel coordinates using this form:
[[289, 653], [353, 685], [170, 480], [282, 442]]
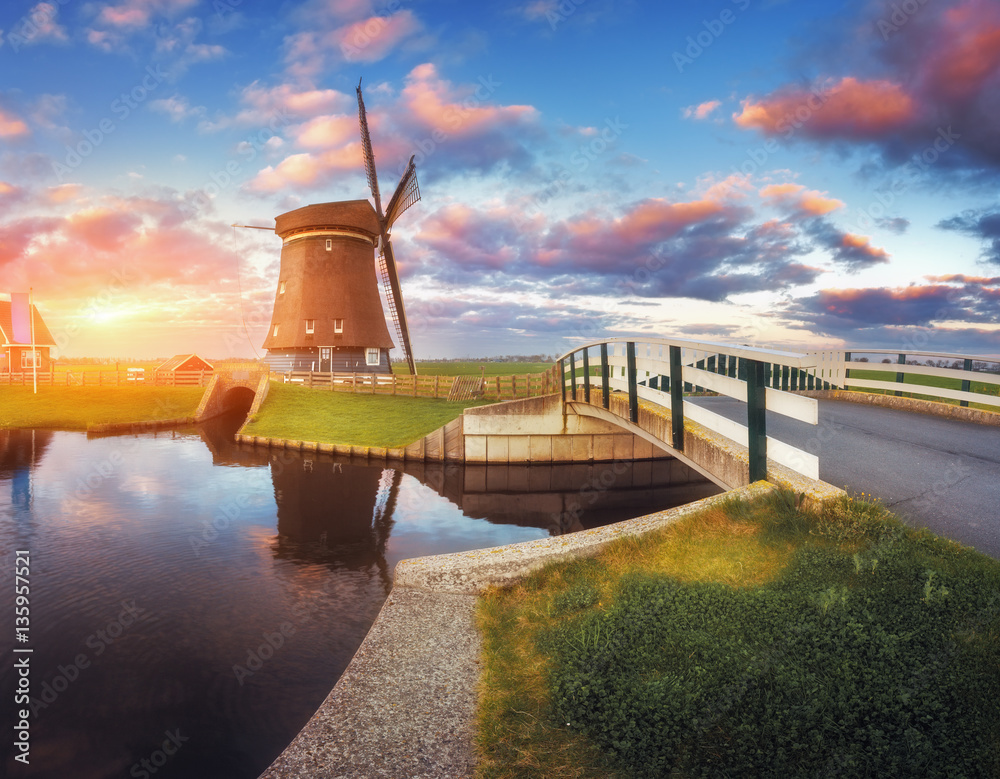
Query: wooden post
[[437, 386], [605, 377], [572, 372], [900, 377], [966, 383], [757, 419], [633, 391], [676, 399], [586, 375], [562, 384]]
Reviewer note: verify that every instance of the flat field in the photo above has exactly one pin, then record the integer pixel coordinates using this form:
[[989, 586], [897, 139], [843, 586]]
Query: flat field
[[74, 408]]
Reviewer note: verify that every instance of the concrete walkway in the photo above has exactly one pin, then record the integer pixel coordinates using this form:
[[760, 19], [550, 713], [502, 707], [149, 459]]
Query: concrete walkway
[[406, 705]]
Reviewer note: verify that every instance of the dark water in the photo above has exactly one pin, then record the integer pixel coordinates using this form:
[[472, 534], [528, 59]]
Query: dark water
[[192, 602]]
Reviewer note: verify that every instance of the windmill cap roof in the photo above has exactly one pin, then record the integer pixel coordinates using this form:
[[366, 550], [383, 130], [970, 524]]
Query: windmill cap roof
[[350, 214]]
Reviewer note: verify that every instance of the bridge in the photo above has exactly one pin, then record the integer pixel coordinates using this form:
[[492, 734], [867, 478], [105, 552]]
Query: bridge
[[234, 385], [739, 414]]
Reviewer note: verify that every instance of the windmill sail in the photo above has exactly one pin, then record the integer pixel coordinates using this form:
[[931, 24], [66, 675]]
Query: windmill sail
[[407, 193], [366, 144]]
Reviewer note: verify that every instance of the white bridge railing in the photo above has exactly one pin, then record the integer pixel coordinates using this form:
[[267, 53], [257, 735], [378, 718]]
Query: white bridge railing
[[662, 370], [967, 379]]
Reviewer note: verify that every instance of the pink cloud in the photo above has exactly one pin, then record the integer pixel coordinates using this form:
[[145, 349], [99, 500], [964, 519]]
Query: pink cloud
[[810, 201], [848, 108], [12, 126], [101, 228], [702, 110], [307, 171], [372, 39], [463, 112], [862, 245], [326, 132]]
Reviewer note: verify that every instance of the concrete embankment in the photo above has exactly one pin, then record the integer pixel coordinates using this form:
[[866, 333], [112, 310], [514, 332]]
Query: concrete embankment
[[406, 704]]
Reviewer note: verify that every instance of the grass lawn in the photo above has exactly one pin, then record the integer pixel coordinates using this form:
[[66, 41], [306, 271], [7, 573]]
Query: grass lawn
[[472, 368], [945, 382], [74, 408], [754, 639], [300, 413]]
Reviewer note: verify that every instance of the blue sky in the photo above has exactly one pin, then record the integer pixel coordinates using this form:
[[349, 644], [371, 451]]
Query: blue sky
[[791, 174]]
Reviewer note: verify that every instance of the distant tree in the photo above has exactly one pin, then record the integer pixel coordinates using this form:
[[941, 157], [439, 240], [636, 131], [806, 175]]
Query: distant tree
[[886, 360]]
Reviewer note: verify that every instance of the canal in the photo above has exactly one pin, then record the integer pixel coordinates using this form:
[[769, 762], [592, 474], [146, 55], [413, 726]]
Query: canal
[[193, 601]]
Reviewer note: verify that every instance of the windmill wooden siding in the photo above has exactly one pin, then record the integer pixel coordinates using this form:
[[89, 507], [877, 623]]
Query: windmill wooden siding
[[327, 310], [13, 354]]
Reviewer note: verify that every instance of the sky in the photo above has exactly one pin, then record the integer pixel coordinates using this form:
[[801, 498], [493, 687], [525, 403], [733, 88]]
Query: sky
[[794, 175]]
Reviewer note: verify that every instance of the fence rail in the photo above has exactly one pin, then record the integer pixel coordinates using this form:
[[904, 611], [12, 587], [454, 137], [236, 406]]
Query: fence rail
[[976, 381], [663, 370], [110, 378], [493, 388]]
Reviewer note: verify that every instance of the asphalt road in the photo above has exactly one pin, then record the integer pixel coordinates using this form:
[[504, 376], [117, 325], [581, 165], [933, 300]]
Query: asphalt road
[[930, 471]]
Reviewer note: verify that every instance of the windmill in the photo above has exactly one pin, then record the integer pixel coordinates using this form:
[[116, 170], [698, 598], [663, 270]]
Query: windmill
[[407, 193], [327, 313]]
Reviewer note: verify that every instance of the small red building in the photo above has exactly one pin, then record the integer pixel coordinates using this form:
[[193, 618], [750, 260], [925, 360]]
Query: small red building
[[185, 363], [15, 357]]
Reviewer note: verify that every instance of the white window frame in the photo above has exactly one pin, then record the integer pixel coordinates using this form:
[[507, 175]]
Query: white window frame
[[310, 326], [329, 244], [338, 325], [274, 332], [26, 358], [373, 351]]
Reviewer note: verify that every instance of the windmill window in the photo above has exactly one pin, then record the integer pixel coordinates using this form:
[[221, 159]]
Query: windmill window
[[310, 325], [371, 356], [329, 244], [274, 332], [281, 288], [338, 325]]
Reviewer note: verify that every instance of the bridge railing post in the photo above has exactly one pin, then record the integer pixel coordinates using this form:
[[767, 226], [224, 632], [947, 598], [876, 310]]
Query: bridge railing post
[[633, 392], [756, 379], [562, 379], [605, 378], [572, 372], [586, 374], [966, 383], [676, 399]]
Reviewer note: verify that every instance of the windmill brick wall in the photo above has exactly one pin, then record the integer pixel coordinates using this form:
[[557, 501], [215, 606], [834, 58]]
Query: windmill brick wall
[[327, 311]]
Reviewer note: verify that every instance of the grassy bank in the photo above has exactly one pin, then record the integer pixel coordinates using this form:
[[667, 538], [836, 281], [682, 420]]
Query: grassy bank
[[74, 408], [304, 414], [751, 640]]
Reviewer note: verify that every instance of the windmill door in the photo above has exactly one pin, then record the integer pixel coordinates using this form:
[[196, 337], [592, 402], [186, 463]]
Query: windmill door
[[325, 358]]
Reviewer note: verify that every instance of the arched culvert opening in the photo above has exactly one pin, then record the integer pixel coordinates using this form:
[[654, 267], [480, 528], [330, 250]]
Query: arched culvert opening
[[238, 399]]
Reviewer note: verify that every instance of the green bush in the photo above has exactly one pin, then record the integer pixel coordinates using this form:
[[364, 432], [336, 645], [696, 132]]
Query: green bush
[[877, 655]]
